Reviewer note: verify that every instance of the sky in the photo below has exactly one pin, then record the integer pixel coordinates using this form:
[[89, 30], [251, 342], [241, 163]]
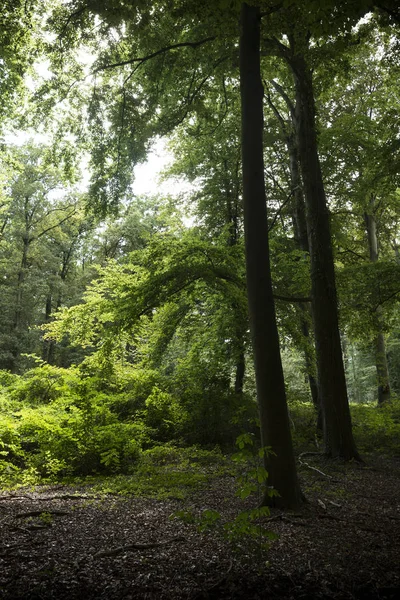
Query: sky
[[148, 174]]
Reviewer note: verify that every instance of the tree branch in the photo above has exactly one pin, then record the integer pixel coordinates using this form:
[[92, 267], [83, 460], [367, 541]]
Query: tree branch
[[56, 225], [71, 17], [144, 59], [272, 10], [276, 113], [278, 212], [284, 95]]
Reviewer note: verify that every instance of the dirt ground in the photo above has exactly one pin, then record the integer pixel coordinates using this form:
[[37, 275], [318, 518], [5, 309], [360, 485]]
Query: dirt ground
[[59, 542]]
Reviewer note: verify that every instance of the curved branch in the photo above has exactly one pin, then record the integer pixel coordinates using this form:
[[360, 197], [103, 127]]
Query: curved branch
[[144, 59], [285, 97]]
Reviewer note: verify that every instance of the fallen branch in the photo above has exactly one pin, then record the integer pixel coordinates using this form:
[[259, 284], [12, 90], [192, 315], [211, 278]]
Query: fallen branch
[[37, 513], [136, 546], [72, 497], [11, 497], [56, 497], [304, 464]]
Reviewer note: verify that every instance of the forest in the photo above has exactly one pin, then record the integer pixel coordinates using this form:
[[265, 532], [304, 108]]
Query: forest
[[200, 383]]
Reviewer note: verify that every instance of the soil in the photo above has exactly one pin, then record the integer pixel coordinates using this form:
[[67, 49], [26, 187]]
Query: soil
[[59, 542]]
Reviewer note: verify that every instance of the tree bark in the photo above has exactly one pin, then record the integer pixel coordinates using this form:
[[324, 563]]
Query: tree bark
[[240, 372], [274, 418], [338, 436], [382, 370], [300, 237]]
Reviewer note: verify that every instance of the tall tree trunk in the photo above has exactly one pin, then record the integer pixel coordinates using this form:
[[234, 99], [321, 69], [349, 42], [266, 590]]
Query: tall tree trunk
[[382, 370], [338, 435], [274, 418], [301, 239], [300, 236]]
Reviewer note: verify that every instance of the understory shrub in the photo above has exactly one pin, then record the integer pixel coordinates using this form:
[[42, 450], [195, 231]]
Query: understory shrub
[[303, 420], [377, 428]]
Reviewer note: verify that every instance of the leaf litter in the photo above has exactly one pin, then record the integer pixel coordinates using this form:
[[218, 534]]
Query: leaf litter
[[63, 542]]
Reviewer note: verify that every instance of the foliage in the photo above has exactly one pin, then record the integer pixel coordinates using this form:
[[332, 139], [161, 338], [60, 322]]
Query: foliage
[[377, 429], [166, 471], [55, 423]]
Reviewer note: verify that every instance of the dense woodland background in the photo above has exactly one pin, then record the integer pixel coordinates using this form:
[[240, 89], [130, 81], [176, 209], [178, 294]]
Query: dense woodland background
[[124, 319]]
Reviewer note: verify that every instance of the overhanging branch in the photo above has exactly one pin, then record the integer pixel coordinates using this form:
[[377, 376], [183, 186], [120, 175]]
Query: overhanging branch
[[144, 59]]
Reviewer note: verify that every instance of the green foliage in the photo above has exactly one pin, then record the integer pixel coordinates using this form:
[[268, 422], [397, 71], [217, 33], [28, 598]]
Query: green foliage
[[64, 422], [168, 308], [164, 415], [44, 384], [255, 476], [303, 419], [377, 429], [55, 423]]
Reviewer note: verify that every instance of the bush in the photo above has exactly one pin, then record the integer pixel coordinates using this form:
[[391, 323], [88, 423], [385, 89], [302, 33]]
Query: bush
[[54, 423], [303, 419], [44, 384], [377, 429]]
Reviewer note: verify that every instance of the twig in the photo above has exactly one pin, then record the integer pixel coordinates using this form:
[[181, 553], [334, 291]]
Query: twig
[[57, 497], [142, 59]]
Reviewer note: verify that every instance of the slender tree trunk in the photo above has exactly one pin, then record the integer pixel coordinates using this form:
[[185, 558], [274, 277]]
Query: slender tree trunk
[[301, 239], [16, 325], [240, 372], [338, 436], [48, 346], [382, 370], [274, 418], [300, 236]]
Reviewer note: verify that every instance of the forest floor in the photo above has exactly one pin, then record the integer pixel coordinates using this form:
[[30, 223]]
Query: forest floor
[[60, 542]]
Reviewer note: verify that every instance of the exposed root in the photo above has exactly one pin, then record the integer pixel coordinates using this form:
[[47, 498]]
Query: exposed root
[[136, 546]]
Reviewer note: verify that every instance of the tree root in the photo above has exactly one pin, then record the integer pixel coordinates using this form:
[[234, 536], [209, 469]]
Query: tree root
[[136, 546], [286, 519]]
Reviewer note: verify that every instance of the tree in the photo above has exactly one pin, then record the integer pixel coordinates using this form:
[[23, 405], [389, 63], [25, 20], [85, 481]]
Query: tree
[[17, 47], [299, 224], [363, 185], [165, 42], [274, 418], [298, 28], [32, 219]]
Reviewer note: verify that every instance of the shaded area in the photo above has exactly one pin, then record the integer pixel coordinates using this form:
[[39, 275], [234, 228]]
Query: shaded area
[[59, 542]]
